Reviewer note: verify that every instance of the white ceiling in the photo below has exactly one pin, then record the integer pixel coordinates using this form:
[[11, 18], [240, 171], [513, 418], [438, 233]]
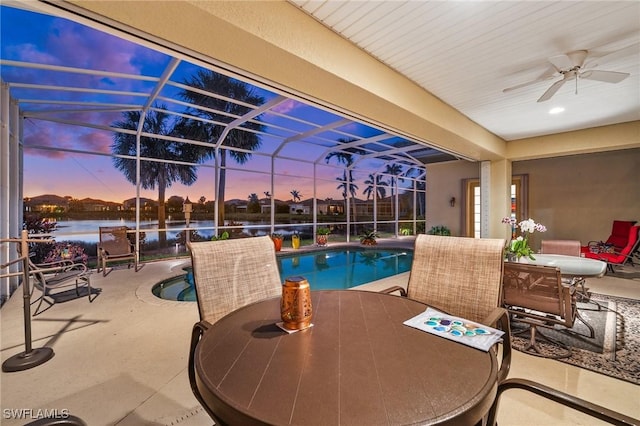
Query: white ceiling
[[467, 52]]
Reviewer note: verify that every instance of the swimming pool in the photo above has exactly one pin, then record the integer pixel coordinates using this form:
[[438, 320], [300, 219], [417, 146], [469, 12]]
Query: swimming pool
[[332, 269]]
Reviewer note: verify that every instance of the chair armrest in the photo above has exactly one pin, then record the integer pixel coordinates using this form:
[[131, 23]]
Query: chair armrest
[[555, 395], [56, 263], [49, 268], [393, 289], [499, 318]]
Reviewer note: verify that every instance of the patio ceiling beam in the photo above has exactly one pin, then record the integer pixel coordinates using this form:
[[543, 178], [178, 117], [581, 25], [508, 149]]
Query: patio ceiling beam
[[76, 89], [168, 71], [48, 67], [78, 103], [393, 151], [357, 143], [248, 116], [312, 132], [318, 130]]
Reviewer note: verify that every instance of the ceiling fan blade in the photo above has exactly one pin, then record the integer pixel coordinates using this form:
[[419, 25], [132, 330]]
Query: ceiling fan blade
[[632, 49], [547, 75], [561, 62], [552, 90], [606, 76]]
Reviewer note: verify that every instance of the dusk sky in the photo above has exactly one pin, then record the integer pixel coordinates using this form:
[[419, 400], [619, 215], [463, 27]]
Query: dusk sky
[[32, 37]]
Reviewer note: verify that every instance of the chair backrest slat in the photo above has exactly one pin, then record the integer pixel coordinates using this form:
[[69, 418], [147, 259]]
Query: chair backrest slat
[[565, 247], [540, 289], [230, 274]]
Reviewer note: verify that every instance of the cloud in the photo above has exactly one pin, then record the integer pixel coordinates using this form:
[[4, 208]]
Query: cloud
[[96, 141], [41, 136], [286, 106], [46, 137]]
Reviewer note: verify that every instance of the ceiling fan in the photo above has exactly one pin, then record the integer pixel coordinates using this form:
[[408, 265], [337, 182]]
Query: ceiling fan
[[571, 66]]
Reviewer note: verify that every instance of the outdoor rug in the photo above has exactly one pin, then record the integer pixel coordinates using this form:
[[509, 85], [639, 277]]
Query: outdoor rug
[[615, 349]]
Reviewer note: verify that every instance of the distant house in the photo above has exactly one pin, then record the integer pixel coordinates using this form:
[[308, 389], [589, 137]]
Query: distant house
[[48, 203], [299, 208], [146, 204]]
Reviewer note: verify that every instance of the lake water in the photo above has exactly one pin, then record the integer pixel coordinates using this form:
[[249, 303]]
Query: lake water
[[87, 230]]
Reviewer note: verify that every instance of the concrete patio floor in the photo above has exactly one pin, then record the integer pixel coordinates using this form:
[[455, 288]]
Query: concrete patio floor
[[122, 359]]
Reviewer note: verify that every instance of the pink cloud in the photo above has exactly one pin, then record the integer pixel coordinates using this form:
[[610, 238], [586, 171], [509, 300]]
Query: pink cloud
[[96, 141], [286, 106]]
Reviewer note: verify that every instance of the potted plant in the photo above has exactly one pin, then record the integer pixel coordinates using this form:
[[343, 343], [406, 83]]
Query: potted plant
[[439, 230], [295, 240], [322, 236], [518, 249], [406, 231], [277, 240], [223, 236], [368, 238]]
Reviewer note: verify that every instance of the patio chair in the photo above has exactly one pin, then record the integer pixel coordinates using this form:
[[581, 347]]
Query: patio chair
[[535, 295], [57, 280], [567, 248], [622, 255], [564, 247], [462, 277], [227, 275], [593, 410], [617, 240], [115, 246]]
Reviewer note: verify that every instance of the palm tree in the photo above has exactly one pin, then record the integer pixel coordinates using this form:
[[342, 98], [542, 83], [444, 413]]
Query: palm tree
[[395, 170], [348, 188], [420, 186], [346, 158], [295, 195], [377, 183], [254, 203], [211, 131], [154, 173]]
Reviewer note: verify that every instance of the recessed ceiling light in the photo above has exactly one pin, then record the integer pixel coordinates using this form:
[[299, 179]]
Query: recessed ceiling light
[[556, 110]]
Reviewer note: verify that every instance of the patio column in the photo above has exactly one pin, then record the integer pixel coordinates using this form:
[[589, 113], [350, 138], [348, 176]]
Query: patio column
[[495, 187], [10, 186]]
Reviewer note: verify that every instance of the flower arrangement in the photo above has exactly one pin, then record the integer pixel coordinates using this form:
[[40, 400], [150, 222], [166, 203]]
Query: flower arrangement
[[519, 247], [66, 251]]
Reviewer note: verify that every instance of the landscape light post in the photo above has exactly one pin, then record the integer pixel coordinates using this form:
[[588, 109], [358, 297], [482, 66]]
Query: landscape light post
[[187, 207]]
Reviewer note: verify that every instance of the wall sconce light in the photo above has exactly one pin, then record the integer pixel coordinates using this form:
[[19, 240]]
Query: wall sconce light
[[452, 202]]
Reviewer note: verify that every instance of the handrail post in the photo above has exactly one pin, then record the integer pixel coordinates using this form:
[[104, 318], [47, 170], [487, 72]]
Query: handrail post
[[30, 357]]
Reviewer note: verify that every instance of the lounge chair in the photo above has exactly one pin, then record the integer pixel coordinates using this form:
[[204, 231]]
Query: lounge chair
[[114, 246], [57, 280], [618, 256]]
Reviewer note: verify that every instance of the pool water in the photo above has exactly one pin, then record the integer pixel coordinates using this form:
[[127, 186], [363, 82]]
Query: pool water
[[325, 270]]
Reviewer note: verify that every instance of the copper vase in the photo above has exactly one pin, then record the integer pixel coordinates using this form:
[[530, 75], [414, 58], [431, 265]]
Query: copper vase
[[295, 308]]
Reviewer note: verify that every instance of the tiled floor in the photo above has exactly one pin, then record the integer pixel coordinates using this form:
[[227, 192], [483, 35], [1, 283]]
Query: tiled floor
[[121, 360]]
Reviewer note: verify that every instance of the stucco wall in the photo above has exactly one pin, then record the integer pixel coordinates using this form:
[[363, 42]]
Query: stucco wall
[[575, 197], [578, 197], [444, 180]]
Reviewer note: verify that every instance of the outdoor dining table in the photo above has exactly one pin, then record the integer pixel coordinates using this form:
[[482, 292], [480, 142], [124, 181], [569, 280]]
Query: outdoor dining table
[[357, 364], [574, 268], [571, 266]]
